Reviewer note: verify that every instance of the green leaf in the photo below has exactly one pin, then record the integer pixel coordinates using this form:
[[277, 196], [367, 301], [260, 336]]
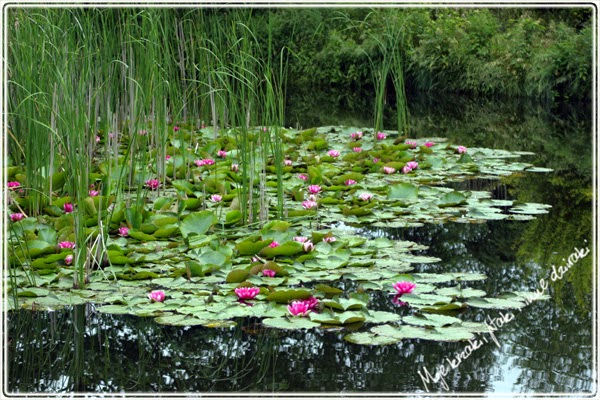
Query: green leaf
[[405, 191], [451, 199], [285, 296], [197, 223], [293, 323]]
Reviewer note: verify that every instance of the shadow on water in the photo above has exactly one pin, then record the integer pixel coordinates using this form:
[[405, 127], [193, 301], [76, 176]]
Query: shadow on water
[[547, 347]]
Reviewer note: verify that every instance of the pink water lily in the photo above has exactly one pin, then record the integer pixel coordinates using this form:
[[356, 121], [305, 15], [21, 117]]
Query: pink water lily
[[312, 303], [167, 157], [268, 272], [429, 144], [389, 170], [69, 259], [215, 198], [411, 143], [333, 153], [13, 184], [246, 293], [329, 239], [309, 204], [142, 132], [153, 184], [157, 296], [302, 176], [66, 245], [412, 164], [274, 244], [93, 193], [403, 287], [175, 128], [300, 239], [123, 231], [208, 161], [222, 153], [356, 135], [461, 150], [357, 149], [97, 138], [68, 207], [298, 308], [365, 196], [406, 169], [380, 136], [235, 167], [287, 163], [16, 217], [308, 247], [314, 189], [350, 182]]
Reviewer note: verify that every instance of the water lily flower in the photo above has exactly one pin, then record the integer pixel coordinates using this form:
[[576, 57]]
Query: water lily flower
[[97, 138], [380, 136], [329, 239], [412, 164], [246, 293], [199, 163], [93, 193], [16, 217], [66, 245], [175, 128], [268, 272], [350, 182], [356, 135], [222, 153], [429, 144], [333, 153], [406, 169], [69, 259], [302, 176], [357, 149], [123, 231], [366, 196], [461, 150], [215, 198], [167, 157], [287, 163], [298, 308], [411, 144], [235, 167], [274, 244], [68, 207], [312, 303], [389, 170], [314, 189], [13, 184], [309, 204], [143, 132], [308, 247], [157, 296], [300, 239], [404, 287], [153, 184]]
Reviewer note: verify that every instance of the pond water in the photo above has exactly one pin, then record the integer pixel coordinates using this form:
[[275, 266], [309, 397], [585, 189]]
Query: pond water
[[546, 347]]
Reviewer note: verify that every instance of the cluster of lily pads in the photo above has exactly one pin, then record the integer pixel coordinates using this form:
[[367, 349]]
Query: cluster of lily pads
[[186, 257]]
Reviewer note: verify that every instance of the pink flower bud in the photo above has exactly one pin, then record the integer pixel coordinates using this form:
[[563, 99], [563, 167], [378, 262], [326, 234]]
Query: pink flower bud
[[268, 272], [302, 176], [461, 150], [235, 167], [16, 217], [123, 231], [153, 184], [329, 239], [300, 239], [69, 259], [380, 136], [287, 163], [274, 244], [157, 296], [429, 144], [308, 247], [350, 182], [68, 207], [222, 153], [389, 170]]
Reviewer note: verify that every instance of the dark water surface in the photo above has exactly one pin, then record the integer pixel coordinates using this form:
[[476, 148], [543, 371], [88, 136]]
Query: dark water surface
[[547, 347]]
